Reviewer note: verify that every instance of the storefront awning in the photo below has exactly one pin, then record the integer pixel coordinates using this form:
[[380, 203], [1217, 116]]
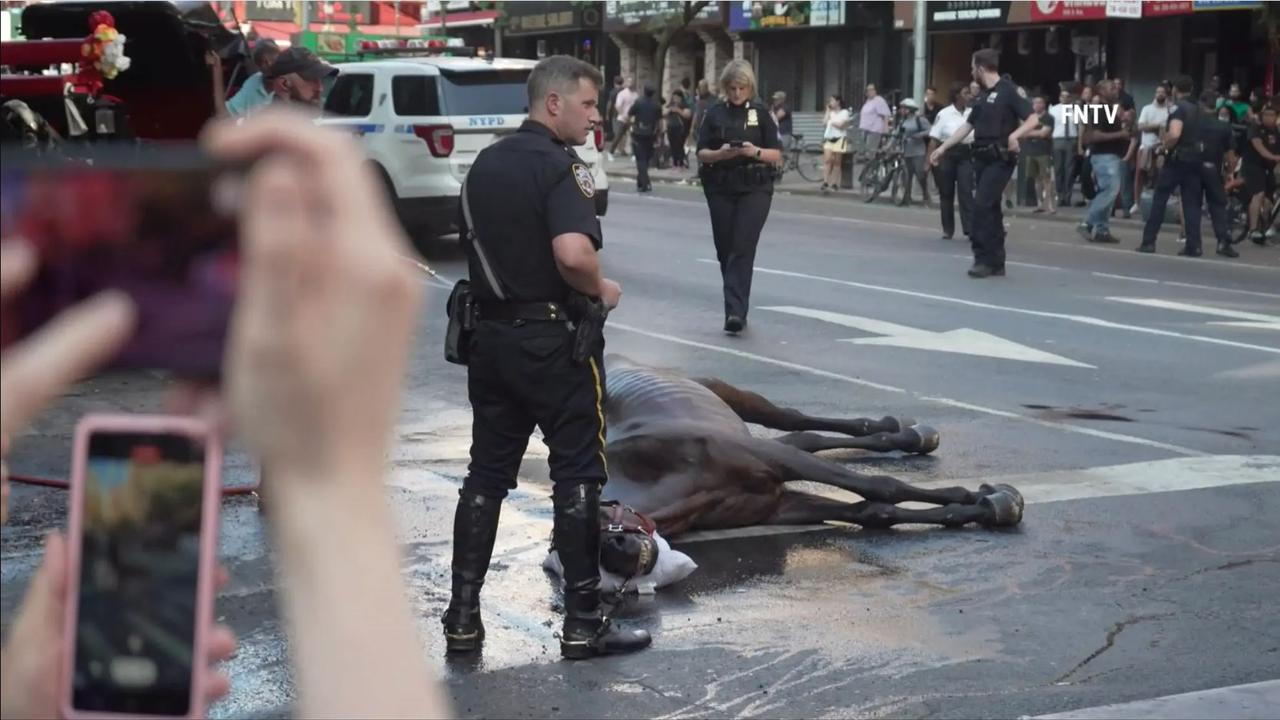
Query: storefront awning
[[281, 32], [461, 19]]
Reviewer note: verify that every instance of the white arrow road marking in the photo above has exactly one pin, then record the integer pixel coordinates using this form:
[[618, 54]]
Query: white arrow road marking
[[964, 341], [1250, 319]]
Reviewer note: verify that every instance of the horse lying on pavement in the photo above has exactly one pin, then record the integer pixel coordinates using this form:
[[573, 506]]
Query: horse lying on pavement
[[680, 452]]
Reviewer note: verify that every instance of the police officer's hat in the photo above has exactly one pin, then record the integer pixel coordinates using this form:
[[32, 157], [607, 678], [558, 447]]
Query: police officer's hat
[[909, 104]]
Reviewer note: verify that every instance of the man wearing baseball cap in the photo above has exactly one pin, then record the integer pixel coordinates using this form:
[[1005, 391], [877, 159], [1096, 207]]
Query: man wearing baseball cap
[[297, 77]]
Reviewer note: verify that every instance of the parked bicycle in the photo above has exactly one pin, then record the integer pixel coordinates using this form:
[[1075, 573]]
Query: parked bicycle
[[804, 159], [886, 171]]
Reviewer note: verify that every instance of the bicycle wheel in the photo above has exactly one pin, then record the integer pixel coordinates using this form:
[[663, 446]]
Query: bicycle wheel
[[902, 180], [866, 178], [884, 177], [809, 165]]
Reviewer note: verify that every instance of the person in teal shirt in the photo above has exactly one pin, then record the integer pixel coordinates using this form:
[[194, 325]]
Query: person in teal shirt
[[254, 94]]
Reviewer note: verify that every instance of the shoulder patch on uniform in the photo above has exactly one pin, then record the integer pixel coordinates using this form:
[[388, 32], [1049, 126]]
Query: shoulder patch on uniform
[[586, 183]]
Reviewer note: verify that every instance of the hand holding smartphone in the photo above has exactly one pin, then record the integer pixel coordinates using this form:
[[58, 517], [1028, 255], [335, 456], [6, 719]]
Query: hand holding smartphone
[[141, 547]]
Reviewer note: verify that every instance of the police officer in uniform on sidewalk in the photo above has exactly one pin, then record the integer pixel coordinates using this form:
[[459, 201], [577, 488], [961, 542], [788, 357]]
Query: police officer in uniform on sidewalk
[[531, 236], [1216, 134], [1185, 149], [738, 148], [997, 120]]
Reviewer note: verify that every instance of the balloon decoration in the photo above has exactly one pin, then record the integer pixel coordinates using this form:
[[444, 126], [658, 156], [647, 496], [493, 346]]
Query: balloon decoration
[[102, 53]]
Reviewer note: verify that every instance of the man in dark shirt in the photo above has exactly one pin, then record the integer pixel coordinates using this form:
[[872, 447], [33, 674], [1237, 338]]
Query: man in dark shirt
[[998, 120], [1108, 141], [1216, 134], [643, 120], [531, 234], [1260, 154], [1184, 148], [1038, 148]]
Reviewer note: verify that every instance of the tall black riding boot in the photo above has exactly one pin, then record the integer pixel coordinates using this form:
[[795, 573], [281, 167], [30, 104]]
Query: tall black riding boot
[[587, 633], [475, 527]]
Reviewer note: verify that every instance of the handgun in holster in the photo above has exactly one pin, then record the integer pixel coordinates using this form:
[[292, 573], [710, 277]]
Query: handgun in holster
[[462, 322], [589, 316]]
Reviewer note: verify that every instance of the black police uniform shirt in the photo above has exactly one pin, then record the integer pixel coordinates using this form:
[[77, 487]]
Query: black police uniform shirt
[[1108, 147], [1217, 136], [525, 190], [1270, 140], [645, 115], [998, 113], [726, 123], [1188, 141]]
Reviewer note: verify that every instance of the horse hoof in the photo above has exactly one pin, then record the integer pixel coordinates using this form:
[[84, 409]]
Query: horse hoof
[[1006, 510], [921, 439], [985, 489]]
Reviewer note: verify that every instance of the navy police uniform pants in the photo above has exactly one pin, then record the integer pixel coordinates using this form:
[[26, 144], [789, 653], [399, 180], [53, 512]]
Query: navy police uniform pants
[[737, 218], [955, 182], [523, 375], [1183, 175], [988, 217], [1215, 196]]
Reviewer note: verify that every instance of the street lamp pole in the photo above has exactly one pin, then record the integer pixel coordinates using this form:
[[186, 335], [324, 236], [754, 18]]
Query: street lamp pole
[[922, 47]]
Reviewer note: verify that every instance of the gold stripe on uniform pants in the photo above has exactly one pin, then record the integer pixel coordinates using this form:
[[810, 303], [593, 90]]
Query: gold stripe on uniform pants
[[595, 372]]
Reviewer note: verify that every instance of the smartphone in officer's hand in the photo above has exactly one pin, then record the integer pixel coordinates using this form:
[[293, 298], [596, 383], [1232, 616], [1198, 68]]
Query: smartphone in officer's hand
[[141, 540], [158, 223], [735, 143]]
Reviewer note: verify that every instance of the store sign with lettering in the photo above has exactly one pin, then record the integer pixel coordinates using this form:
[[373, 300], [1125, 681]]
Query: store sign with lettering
[[270, 10], [623, 14], [1164, 8], [1124, 8], [784, 15], [966, 15], [1068, 10]]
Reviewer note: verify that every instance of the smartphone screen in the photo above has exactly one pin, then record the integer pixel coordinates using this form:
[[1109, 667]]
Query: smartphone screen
[[135, 625], [157, 224]]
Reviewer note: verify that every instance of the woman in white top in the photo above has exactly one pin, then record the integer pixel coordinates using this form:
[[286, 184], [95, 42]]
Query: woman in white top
[[834, 142], [954, 174]]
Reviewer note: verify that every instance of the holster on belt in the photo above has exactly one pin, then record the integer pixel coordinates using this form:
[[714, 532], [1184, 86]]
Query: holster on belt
[[462, 322], [751, 174], [589, 316], [993, 153]]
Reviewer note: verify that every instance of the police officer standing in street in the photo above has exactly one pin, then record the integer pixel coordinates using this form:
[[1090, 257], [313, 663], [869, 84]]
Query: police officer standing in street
[[1185, 150], [531, 236], [738, 148], [1216, 134], [997, 120]]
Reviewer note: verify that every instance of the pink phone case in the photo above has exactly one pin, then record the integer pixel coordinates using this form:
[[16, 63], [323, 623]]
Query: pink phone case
[[210, 498]]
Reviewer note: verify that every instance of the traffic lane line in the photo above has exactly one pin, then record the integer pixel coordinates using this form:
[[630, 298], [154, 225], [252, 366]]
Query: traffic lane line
[[1081, 319], [930, 230], [895, 243], [981, 409]]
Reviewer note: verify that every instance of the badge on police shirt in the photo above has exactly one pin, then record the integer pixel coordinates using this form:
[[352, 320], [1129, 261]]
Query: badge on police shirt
[[752, 119], [587, 184]]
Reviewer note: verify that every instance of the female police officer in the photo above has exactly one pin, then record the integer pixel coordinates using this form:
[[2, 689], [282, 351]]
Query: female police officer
[[738, 148]]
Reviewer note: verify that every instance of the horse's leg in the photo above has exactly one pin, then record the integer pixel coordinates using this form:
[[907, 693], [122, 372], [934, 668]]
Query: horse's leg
[[676, 518], [757, 409], [919, 439], [800, 508], [795, 464]]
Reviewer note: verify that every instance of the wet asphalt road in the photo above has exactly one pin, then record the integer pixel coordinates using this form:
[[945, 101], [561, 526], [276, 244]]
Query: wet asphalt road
[[1154, 578]]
